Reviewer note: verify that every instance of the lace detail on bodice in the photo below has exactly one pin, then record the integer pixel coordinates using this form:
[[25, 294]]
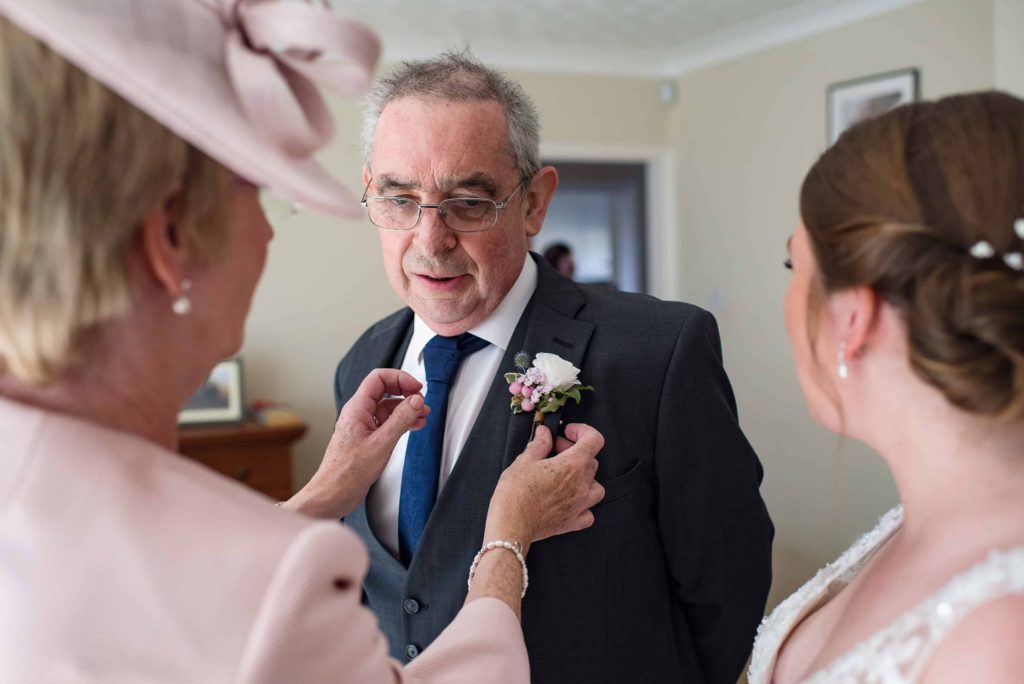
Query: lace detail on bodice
[[774, 629], [897, 653]]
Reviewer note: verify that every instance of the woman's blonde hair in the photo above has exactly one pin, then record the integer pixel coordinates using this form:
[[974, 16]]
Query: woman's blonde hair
[[79, 169]]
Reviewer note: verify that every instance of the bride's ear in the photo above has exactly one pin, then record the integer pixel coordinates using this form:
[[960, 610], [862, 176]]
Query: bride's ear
[[855, 317]]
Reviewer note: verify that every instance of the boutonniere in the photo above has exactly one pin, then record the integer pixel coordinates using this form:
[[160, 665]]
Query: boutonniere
[[544, 386]]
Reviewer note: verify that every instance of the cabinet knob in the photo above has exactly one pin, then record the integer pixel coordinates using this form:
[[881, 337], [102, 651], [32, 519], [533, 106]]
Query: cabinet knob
[[242, 474]]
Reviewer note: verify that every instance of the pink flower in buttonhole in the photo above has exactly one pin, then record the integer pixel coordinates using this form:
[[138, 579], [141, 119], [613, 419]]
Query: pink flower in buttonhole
[[544, 386]]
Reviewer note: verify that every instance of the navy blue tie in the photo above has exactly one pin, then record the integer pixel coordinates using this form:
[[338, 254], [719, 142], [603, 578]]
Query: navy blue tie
[[441, 359]]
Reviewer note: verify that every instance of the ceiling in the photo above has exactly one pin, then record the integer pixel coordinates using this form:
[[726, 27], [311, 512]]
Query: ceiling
[[652, 38]]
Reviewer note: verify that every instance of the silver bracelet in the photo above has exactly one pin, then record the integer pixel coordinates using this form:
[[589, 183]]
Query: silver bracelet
[[512, 546]]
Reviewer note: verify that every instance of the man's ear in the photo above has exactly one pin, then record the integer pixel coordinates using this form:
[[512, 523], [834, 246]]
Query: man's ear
[[538, 195], [163, 250], [855, 313], [366, 175]]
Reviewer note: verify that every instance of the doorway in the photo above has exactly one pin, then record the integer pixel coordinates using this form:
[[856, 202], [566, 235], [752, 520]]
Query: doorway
[[599, 213]]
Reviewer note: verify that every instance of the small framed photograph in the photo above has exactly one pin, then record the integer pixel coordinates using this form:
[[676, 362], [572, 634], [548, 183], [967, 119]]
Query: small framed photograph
[[863, 98], [219, 400]]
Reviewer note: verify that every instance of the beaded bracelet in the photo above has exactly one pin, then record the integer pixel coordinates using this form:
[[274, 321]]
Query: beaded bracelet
[[512, 546]]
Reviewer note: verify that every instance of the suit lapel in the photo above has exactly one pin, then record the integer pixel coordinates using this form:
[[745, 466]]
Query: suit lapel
[[387, 344], [549, 325]]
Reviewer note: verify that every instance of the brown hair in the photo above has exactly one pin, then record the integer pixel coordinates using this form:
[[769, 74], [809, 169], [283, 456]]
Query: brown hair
[[79, 169], [896, 205]]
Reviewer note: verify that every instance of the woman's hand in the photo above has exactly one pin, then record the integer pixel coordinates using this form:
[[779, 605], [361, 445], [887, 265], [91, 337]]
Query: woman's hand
[[386, 406], [539, 497]]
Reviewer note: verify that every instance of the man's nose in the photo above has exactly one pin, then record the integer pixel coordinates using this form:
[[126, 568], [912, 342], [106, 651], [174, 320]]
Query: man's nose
[[432, 235]]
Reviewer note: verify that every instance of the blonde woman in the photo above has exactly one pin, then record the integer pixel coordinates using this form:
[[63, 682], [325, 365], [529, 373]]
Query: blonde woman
[[134, 138]]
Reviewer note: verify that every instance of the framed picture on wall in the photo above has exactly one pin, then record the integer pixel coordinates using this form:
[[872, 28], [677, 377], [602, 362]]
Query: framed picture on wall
[[863, 98], [219, 400]]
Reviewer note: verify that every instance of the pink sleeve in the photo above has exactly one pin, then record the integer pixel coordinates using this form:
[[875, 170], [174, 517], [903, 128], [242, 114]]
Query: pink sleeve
[[484, 643], [312, 627]]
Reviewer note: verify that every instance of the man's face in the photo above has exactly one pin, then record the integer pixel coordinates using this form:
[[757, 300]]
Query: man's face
[[429, 150]]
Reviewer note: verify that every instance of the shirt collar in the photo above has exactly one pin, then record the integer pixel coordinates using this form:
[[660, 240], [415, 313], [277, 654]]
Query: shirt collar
[[496, 328]]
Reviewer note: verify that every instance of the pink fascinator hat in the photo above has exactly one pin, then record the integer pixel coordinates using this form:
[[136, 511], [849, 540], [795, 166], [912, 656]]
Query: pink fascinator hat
[[238, 79]]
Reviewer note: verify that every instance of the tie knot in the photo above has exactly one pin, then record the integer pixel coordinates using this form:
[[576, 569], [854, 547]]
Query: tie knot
[[442, 355]]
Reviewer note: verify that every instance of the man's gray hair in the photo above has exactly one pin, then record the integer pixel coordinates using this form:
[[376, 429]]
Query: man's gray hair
[[457, 76]]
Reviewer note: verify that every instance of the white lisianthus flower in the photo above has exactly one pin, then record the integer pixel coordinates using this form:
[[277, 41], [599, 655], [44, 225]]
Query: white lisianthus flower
[[558, 372]]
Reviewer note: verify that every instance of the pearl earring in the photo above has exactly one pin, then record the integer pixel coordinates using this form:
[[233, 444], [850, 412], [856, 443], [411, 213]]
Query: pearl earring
[[843, 370], [182, 304]]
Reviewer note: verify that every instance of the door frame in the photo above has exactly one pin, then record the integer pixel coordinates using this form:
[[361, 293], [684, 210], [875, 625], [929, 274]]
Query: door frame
[[659, 203]]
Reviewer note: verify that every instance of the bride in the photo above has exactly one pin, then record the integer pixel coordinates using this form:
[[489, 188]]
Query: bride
[[906, 316]]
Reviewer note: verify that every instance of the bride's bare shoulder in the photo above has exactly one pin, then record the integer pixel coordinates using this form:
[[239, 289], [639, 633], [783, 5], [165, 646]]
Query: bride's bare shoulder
[[987, 645]]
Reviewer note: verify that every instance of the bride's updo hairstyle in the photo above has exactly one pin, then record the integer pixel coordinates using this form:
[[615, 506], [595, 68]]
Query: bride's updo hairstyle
[[920, 205]]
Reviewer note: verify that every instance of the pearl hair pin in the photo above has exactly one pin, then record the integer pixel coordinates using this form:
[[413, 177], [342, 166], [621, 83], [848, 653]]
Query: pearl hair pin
[[983, 249]]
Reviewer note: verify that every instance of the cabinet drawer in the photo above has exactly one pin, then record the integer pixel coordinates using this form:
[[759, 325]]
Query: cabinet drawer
[[256, 456], [270, 474]]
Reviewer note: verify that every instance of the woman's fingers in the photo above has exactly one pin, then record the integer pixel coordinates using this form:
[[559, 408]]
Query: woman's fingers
[[406, 415], [379, 394], [584, 520], [588, 441], [561, 444], [574, 432], [387, 406], [540, 447], [384, 381]]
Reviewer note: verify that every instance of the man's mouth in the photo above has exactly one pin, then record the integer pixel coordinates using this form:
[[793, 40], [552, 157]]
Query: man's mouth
[[439, 282]]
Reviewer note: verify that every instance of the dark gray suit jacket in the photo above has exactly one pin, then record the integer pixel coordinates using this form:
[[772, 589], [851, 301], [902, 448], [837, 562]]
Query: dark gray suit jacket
[[670, 582]]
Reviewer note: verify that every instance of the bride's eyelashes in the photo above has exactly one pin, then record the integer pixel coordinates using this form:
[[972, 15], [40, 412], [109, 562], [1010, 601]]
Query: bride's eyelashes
[[788, 263]]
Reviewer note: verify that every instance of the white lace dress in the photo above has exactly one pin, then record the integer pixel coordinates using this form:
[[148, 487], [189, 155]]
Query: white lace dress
[[897, 653]]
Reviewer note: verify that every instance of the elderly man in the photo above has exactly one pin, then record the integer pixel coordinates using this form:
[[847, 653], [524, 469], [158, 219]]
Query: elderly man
[[670, 582]]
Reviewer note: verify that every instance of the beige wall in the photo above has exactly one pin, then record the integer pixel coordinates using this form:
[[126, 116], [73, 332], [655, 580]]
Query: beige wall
[[1008, 24], [324, 282], [744, 135]]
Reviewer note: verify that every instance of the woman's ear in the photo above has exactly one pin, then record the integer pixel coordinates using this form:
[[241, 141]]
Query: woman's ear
[[164, 252], [538, 193], [855, 314]]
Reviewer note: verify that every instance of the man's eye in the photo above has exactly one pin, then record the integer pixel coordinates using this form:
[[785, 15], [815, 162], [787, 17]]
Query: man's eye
[[467, 202], [399, 202]]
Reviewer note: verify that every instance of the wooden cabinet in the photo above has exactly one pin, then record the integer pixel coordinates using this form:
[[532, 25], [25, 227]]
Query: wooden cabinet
[[258, 456]]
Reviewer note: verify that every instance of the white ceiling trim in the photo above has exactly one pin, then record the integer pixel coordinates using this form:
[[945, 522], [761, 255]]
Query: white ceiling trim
[[778, 28], [534, 57], [775, 29]]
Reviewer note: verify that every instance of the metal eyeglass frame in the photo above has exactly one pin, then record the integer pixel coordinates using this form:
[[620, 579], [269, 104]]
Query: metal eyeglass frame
[[498, 206]]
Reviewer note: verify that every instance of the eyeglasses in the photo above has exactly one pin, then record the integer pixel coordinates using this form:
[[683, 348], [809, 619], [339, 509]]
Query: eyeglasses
[[461, 214]]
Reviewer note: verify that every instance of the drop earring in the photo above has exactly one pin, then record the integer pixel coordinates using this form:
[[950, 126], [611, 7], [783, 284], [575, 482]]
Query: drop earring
[[842, 369], [182, 304]]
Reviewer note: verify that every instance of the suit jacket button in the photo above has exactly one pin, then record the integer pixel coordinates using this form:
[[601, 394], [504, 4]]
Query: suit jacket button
[[411, 606], [412, 651]]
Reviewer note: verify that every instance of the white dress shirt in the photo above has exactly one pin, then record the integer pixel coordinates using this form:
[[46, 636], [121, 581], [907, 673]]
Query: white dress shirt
[[465, 400]]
